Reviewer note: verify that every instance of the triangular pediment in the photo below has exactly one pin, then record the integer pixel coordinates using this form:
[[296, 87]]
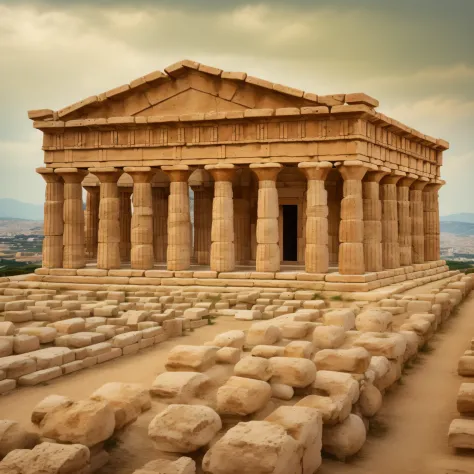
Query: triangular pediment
[[187, 87]]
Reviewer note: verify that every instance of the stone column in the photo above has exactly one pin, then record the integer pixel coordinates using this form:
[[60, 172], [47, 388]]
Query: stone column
[[351, 229], [390, 247], [203, 196], [141, 253], [91, 216], [431, 221], [416, 214], [242, 216], [317, 232], [373, 219], [53, 218], [179, 223], [108, 250], [160, 222], [125, 193], [404, 218], [74, 239], [222, 231], [334, 190], [268, 248]]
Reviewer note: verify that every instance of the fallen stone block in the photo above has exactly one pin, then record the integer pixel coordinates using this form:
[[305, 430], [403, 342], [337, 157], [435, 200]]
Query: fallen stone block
[[242, 396], [179, 387], [374, 320], [48, 404], [267, 351], [248, 315], [17, 365], [45, 335], [388, 344], [23, 343], [301, 349], [69, 326], [355, 360], [263, 334], [126, 339], [233, 338], [13, 436], [183, 465], [328, 337], [256, 447], [461, 434], [331, 383], [228, 355], [184, 428], [257, 368], [465, 399], [333, 409], [7, 385], [340, 317], [40, 376], [345, 439], [173, 327], [191, 358], [465, 366], [293, 371]]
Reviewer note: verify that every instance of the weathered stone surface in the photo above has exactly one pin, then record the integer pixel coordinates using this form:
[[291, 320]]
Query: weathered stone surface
[[85, 422], [461, 434], [228, 355], [303, 349], [233, 338], [49, 404], [328, 337], [268, 351], [256, 447], [333, 409], [293, 371], [44, 335], [253, 368], [465, 400], [374, 320], [189, 358], [345, 439], [182, 465], [179, 387], [355, 360], [282, 391], [465, 366], [242, 396], [262, 334], [13, 436], [388, 344], [331, 383], [340, 317], [370, 400], [184, 428]]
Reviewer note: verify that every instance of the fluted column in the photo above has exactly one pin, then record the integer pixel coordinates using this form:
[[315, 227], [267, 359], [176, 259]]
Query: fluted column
[[222, 230], [242, 236], [404, 218], [91, 216], [108, 250], [388, 194], [53, 218], [125, 193], [317, 238], [417, 224], [431, 220], [74, 241], [333, 189], [179, 223], [373, 219], [202, 223], [141, 237], [351, 229], [160, 222], [268, 248]]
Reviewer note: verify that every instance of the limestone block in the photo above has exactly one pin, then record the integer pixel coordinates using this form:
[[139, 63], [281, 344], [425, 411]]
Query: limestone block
[[83, 339], [51, 357], [374, 320], [242, 396], [257, 368], [262, 334], [465, 366], [282, 391], [345, 439], [355, 360], [233, 338], [45, 335], [40, 376], [332, 384], [228, 355], [18, 316], [328, 337], [69, 326], [107, 311], [391, 345], [17, 365], [126, 339], [86, 422], [48, 458], [7, 328], [412, 344], [179, 387], [370, 400], [418, 307], [24, 343], [6, 346], [303, 349], [256, 447], [391, 376], [461, 434], [268, 351], [48, 404], [191, 358], [465, 399], [184, 428], [173, 327], [340, 317], [295, 330], [293, 371], [332, 409], [182, 465], [127, 400], [13, 436], [248, 315], [195, 313], [421, 327], [305, 426]]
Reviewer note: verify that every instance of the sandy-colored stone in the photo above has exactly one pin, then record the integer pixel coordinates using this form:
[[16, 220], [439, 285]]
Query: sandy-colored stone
[[355, 360], [461, 434], [14, 436], [178, 387], [345, 439]]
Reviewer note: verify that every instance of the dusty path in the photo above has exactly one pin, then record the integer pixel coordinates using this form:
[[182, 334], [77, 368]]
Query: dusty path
[[416, 414]]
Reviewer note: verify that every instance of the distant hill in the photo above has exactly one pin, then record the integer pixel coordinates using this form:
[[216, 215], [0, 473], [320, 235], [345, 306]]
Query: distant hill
[[457, 228], [461, 217], [13, 209]]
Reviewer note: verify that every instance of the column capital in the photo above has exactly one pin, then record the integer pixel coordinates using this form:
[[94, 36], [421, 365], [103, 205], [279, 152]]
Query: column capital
[[140, 174], [177, 173], [408, 180], [106, 174], [354, 169], [374, 176], [394, 177], [266, 171], [49, 175], [434, 186], [419, 184], [315, 170], [221, 172], [71, 175]]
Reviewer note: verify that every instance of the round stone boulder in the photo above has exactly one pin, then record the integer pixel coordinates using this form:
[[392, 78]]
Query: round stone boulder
[[344, 439]]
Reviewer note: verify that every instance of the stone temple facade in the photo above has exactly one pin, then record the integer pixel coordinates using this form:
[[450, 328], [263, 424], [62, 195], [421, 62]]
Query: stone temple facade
[[322, 191]]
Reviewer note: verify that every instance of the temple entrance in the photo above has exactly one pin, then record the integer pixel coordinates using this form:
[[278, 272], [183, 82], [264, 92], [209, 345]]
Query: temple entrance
[[290, 233]]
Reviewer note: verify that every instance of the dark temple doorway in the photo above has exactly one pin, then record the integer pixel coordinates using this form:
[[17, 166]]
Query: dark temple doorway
[[290, 233]]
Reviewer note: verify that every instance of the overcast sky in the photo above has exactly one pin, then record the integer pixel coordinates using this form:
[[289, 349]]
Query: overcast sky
[[415, 56]]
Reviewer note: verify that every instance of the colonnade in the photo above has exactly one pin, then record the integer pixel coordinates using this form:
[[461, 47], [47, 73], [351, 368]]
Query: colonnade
[[388, 219]]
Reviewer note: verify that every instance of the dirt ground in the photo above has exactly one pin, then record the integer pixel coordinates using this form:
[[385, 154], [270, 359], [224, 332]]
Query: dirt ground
[[410, 434]]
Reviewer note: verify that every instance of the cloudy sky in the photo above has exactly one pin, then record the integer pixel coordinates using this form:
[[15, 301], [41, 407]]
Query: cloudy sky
[[415, 56]]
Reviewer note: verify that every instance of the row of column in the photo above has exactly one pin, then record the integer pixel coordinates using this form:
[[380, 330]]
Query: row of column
[[388, 219]]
